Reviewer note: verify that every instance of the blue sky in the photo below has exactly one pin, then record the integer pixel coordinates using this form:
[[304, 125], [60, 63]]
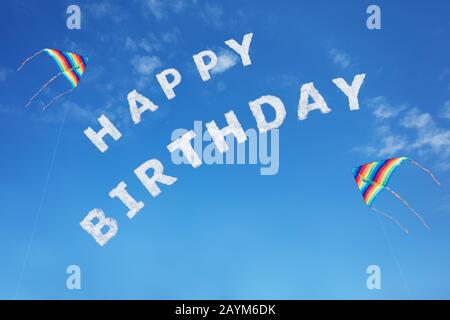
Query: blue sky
[[225, 232]]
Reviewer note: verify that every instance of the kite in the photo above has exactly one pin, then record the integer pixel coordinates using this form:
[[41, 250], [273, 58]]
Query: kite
[[373, 177], [72, 66]]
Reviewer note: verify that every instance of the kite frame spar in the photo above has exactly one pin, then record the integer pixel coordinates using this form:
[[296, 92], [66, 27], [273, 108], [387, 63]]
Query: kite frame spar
[[382, 171], [71, 65]]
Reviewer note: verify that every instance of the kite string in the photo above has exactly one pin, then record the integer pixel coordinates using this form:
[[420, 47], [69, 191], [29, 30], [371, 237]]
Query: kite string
[[398, 197], [391, 218], [388, 240], [379, 211], [28, 59], [42, 88], [41, 204], [427, 171], [395, 258], [409, 207], [57, 97], [47, 83]]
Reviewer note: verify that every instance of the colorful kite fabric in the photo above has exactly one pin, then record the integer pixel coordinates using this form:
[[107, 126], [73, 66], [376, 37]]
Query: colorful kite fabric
[[373, 177], [71, 65]]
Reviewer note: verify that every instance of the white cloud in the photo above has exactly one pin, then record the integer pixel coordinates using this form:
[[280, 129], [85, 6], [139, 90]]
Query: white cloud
[[225, 61], [415, 119], [171, 36], [444, 74], [156, 7], [391, 145], [415, 132], [367, 150], [212, 15], [79, 112], [438, 140], [179, 5], [106, 9], [221, 86], [4, 109], [160, 9], [75, 113], [340, 58], [151, 43], [446, 110], [4, 73], [285, 80], [145, 65], [87, 114], [431, 138], [130, 44], [382, 109]]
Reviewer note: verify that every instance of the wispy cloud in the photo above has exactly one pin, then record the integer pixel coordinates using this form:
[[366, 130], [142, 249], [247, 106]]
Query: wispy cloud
[[4, 73], [6, 109], [145, 65], [430, 137], [212, 14], [86, 114], [171, 36], [75, 113], [152, 43], [80, 113], [444, 74], [415, 119], [156, 8], [445, 77], [446, 110], [391, 145], [285, 80], [388, 144], [382, 109], [160, 9], [225, 61], [414, 131], [148, 44], [340, 58], [107, 9], [221, 86]]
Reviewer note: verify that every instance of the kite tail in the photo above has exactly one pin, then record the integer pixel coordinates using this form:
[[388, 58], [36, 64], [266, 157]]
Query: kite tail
[[427, 171], [409, 207], [390, 217], [57, 97], [47, 83], [42, 88], [34, 55]]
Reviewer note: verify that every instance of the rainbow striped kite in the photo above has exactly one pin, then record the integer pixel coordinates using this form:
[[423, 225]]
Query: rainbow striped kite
[[373, 177], [71, 65]]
